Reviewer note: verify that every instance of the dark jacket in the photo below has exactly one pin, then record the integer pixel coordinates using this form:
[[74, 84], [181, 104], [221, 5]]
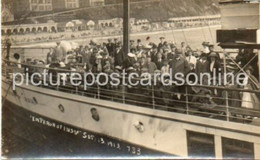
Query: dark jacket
[[179, 66]]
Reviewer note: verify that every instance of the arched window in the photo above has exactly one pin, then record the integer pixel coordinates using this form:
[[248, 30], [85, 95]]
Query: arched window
[[53, 29], [21, 30], [39, 29], [9, 31], [27, 30], [33, 29], [15, 31], [45, 29]]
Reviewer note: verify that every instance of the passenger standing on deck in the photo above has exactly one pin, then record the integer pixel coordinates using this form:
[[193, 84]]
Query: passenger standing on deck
[[251, 100], [214, 65], [161, 44], [151, 65], [183, 48], [50, 56], [179, 64], [202, 67], [59, 55], [192, 60], [119, 55], [205, 47], [110, 47], [139, 45], [8, 47], [159, 61]]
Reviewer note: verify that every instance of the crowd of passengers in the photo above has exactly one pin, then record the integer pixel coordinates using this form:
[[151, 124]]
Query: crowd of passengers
[[148, 57]]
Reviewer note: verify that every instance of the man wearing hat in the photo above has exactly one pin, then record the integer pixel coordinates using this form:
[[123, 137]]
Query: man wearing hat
[[159, 61], [161, 44], [119, 55], [132, 46], [50, 56], [211, 50], [165, 68], [179, 64], [58, 53], [205, 47], [214, 64], [202, 66], [110, 47], [151, 65], [129, 61], [139, 45]]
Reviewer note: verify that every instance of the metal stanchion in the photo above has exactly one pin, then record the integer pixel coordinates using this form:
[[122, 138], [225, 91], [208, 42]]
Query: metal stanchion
[[226, 92], [98, 92], [123, 94], [187, 100], [153, 101]]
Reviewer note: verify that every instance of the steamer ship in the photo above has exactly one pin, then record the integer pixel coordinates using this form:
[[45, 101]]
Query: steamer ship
[[116, 119]]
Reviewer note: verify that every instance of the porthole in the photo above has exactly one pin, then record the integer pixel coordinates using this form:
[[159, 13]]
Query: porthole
[[94, 114], [61, 108]]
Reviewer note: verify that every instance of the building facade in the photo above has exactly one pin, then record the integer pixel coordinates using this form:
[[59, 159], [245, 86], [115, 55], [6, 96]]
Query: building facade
[[97, 2], [25, 7], [40, 5]]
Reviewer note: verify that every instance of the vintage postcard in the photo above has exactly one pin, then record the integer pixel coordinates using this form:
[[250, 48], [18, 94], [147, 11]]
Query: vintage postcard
[[94, 79]]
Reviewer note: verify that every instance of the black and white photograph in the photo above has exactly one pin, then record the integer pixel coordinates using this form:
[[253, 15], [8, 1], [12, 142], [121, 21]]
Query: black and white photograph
[[130, 79]]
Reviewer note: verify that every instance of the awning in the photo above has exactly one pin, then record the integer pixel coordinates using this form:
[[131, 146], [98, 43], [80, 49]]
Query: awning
[[240, 45]]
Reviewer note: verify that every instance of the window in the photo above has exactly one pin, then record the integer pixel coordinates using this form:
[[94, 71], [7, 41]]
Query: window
[[72, 3], [41, 8], [34, 1], [233, 148], [200, 144]]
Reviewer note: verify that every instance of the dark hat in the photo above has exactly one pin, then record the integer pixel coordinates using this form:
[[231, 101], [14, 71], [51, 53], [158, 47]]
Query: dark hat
[[139, 40], [211, 45], [205, 43], [213, 54], [203, 55], [162, 38]]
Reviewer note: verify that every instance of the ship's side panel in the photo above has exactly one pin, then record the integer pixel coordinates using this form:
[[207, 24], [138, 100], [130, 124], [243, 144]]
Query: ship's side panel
[[158, 130]]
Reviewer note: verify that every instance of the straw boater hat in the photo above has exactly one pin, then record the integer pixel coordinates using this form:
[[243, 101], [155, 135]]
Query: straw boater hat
[[118, 67], [130, 69], [148, 47], [99, 57], [130, 55], [62, 64]]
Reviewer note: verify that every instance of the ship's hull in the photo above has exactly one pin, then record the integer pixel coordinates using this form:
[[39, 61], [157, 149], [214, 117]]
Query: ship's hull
[[47, 137], [142, 130]]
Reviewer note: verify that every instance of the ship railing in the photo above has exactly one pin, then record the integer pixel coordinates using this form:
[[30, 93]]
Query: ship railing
[[221, 106]]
